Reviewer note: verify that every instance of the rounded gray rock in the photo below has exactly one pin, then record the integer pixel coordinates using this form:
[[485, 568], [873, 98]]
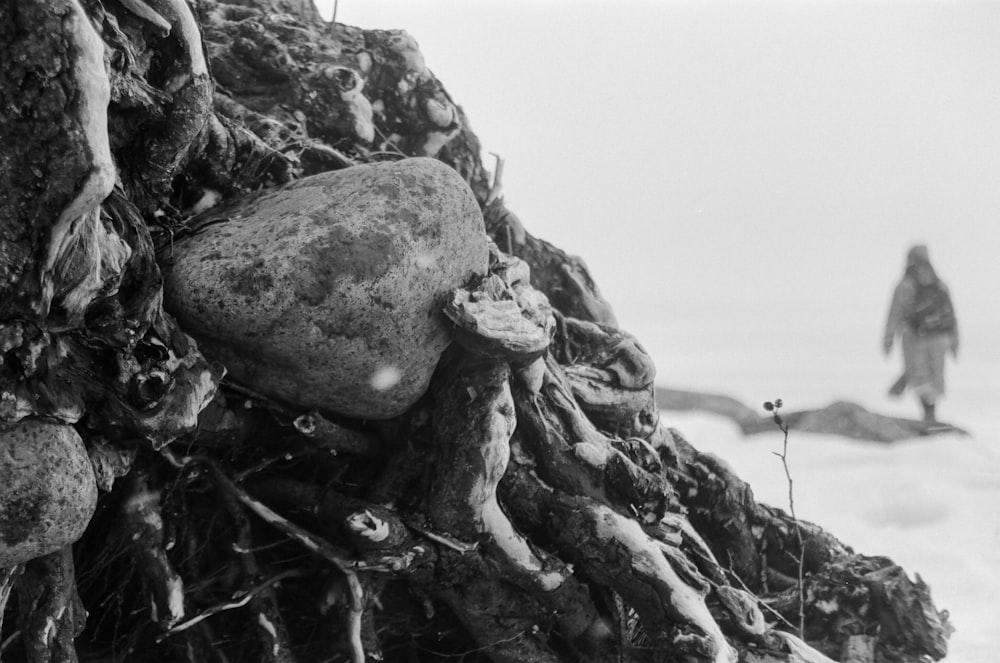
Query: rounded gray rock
[[48, 492], [327, 292]]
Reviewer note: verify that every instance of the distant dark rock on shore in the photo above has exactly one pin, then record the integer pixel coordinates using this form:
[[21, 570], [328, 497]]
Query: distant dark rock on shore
[[839, 418]]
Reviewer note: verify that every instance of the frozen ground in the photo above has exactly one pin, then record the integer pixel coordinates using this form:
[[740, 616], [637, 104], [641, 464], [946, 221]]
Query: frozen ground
[[932, 505]]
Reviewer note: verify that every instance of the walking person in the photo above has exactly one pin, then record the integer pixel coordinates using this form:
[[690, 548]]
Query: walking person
[[923, 317]]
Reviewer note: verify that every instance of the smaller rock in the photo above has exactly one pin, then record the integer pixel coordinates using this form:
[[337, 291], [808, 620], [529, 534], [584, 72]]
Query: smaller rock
[[48, 492]]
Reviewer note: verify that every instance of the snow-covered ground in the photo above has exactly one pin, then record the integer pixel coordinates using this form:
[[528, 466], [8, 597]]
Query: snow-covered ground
[[932, 505]]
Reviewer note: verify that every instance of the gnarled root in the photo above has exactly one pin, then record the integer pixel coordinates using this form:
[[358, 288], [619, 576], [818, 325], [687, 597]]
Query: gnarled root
[[141, 511], [474, 421], [50, 611], [615, 551], [8, 578]]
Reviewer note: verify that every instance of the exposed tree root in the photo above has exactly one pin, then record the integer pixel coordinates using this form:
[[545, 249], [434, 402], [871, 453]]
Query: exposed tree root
[[529, 507], [51, 614]]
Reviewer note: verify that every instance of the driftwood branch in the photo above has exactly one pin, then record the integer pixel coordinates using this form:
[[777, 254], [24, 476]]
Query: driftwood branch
[[839, 418]]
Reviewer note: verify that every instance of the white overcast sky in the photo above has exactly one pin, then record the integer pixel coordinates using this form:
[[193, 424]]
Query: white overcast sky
[[732, 155]]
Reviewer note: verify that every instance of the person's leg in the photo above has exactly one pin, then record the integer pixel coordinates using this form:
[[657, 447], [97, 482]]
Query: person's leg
[[926, 371], [937, 350], [917, 370], [933, 348], [929, 410]]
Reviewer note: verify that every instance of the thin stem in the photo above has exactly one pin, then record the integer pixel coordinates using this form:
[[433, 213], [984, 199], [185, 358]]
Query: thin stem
[[244, 598], [798, 531], [783, 427]]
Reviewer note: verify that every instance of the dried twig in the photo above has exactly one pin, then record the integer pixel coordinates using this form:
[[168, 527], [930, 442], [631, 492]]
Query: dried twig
[[333, 437], [446, 541], [269, 621], [244, 598], [269, 403], [760, 602], [304, 537], [783, 427], [9, 641]]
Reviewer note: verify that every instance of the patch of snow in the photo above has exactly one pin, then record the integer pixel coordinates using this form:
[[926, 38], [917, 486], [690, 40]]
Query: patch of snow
[[385, 378]]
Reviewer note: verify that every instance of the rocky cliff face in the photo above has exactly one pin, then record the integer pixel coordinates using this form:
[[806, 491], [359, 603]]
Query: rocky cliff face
[[433, 438]]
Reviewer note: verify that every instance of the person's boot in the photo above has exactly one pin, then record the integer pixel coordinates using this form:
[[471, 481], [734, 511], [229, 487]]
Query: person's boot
[[899, 386], [929, 415]]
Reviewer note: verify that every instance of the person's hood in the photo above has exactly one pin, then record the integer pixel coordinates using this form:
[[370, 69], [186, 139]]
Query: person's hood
[[918, 255]]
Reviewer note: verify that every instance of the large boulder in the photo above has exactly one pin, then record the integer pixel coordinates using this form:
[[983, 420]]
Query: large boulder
[[327, 292], [48, 492]]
